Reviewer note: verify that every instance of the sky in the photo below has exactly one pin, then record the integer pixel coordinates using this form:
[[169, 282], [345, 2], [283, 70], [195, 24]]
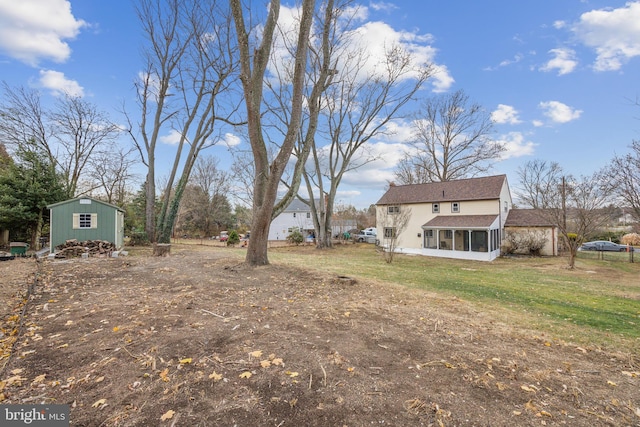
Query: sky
[[561, 79]]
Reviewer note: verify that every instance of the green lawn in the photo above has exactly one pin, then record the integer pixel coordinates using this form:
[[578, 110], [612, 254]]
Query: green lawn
[[598, 303]]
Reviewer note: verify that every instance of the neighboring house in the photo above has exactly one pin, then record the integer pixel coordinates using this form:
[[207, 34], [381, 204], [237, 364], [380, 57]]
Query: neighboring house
[[532, 224], [453, 219], [296, 217], [85, 218]]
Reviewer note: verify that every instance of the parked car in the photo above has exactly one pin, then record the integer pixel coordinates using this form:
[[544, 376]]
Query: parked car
[[366, 236], [224, 236], [603, 245]]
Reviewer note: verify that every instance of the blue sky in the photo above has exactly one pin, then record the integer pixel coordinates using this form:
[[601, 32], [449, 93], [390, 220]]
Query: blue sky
[[559, 77]]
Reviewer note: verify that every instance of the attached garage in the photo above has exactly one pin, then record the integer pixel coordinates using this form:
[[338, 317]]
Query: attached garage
[[85, 218]]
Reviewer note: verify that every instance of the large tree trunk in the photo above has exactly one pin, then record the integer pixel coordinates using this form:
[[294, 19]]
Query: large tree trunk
[[254, 61]]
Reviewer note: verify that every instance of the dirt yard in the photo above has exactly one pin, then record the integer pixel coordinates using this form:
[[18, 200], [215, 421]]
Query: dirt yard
[[197, 339]]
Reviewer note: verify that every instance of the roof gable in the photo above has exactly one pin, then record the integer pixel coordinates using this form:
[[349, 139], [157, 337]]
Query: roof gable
[[485, 188], [77, 199]]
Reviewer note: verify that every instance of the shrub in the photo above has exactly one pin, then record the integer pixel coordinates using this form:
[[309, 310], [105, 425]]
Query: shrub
[[234, 238], [528, 242], [138, 238], [295, 237], [631, 239]]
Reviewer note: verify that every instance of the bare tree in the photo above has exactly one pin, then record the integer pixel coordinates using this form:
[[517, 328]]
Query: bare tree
[[213, 185], [254, 60], [359, 106], [112, 171], [69, 134], [393, 224], [190, 60], [578, 207], [623, 178], [452, 141], [538, 179]]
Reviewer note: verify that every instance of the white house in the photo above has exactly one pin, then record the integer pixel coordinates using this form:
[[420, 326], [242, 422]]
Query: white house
[[453, 219], [296, 217], [463, 219]]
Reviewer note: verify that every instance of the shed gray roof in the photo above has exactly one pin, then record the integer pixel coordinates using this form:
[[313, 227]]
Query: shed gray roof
[[461, 221], [64, 202], [485, 188], [527, 218]]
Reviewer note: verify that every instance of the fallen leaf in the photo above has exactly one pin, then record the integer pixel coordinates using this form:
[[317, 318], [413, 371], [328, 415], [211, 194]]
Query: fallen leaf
[[265, 363], [530, 406], [256, 353], [39, 379], [185, 361], [545, 413], [164, 375], [527, 388], [63, 346], [116, 328], [17, 371], [612, 384], [501, 386], [100, 402], [292, 374], [347, 314], [167, 415], [99, 379], [245, 374], [277, 361], [215, 376]]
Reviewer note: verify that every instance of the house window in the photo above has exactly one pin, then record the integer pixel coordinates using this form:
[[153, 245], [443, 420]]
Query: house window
[[455, 207], [308, 215], [506, 206], [389, 232], [85, 221], [294, 214], [435, 208], [393, 210]]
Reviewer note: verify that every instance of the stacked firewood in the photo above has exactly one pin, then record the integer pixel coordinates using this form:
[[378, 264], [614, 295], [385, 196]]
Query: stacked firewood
[[73, 248]]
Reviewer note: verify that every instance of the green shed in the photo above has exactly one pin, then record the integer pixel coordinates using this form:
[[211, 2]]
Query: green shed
[[85, 218]]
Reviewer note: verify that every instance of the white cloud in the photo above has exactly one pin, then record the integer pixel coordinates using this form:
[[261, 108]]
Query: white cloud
[[538, 123], [564, 61], [230, 140], [383, 6], [371, 40], [505, 114], [377, 173], [58, 84], [172, 138], [559, 112], [559, 24], [516, 145], [33, 30], [613, 33]]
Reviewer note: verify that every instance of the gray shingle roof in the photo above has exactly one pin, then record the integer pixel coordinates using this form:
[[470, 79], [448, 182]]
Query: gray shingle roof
[[461, 221], [485, 188], [527, 218]]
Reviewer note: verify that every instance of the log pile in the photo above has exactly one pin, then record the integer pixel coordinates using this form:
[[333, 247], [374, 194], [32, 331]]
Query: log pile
[[74, 248]]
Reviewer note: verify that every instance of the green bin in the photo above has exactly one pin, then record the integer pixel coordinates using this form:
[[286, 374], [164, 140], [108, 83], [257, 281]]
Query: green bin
[[18, 248]]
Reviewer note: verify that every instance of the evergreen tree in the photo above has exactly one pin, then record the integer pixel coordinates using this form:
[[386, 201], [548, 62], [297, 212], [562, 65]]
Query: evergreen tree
[[26, 188]]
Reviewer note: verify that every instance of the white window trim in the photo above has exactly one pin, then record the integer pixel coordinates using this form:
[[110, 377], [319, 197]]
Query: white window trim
[[76, 221]]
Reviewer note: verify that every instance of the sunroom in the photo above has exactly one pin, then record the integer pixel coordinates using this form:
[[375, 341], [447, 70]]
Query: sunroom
[[474, 237]]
